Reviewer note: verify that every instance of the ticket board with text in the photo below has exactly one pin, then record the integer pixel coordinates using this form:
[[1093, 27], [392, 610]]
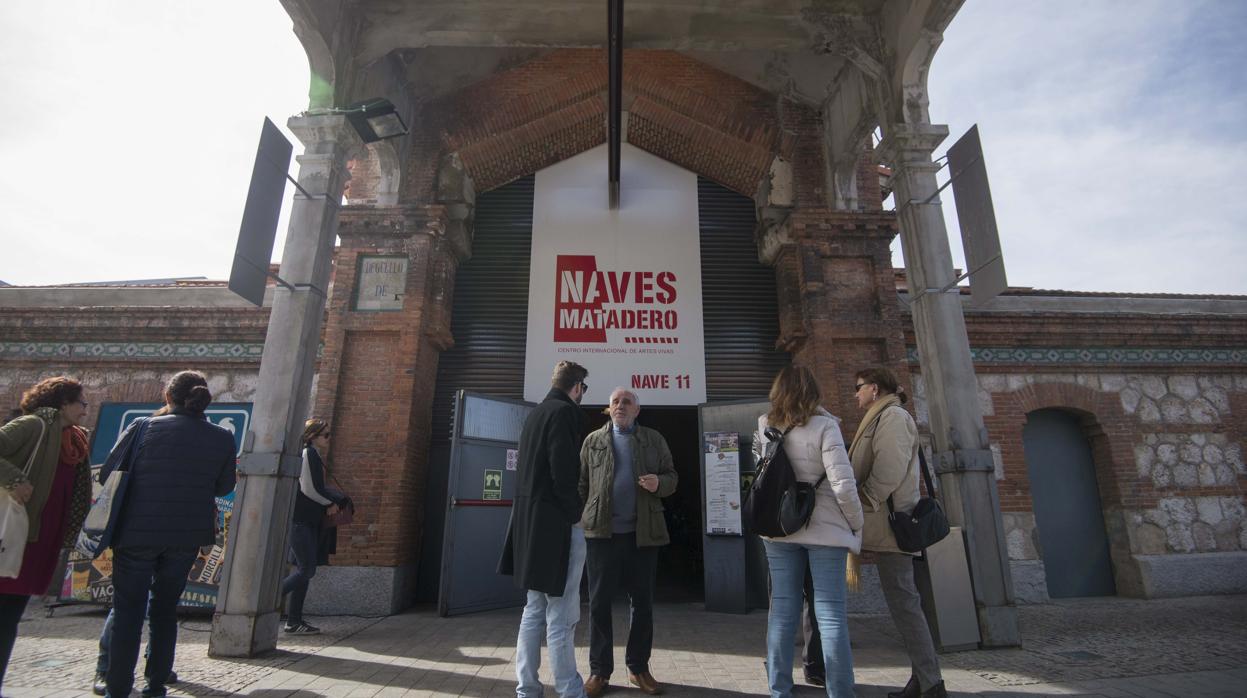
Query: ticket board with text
[[617, 291], [91, 580]]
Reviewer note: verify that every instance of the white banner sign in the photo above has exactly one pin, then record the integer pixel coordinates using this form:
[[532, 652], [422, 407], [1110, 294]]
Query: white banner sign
[[618, 292]]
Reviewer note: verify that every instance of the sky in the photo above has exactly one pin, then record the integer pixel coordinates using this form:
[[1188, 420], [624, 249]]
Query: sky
[[1113, 135]]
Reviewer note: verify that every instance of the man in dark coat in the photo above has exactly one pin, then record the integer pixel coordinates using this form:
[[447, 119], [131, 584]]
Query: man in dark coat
[[545, 547]]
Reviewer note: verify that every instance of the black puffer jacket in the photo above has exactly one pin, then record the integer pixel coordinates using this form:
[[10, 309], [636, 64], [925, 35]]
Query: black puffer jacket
[[183, 463]]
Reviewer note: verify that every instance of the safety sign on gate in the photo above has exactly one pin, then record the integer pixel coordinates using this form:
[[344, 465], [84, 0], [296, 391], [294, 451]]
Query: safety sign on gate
[[493, 485]]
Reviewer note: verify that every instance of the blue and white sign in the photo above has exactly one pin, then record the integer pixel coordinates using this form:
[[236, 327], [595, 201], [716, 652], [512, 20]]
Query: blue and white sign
[[116, 416]]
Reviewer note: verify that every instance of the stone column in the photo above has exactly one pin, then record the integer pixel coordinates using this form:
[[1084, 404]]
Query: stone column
[[963, 458], [246, 619]]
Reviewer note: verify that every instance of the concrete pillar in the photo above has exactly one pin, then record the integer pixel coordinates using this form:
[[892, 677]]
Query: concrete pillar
[[246, 619], [963, 457]]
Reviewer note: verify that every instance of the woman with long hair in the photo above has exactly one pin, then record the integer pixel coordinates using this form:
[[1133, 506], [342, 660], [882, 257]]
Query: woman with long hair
[[885, 462], [815, 449], [309, 546], [178, 468], [44, 466]]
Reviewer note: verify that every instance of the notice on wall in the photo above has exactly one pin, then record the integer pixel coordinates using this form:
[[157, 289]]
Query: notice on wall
[[722, 476], [617, 291], [381, 282]]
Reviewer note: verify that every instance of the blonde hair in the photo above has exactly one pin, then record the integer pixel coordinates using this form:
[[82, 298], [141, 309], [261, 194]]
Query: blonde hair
[[312, 428], [794, 397]]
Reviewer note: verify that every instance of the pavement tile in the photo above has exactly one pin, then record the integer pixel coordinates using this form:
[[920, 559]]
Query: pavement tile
[[1107, 647]]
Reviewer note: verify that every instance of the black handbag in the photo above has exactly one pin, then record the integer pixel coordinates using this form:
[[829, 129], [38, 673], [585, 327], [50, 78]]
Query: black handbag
[[923, 527], [777, 503]]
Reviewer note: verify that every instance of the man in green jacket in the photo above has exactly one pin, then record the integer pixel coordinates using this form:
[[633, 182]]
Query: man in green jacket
[[625, 470]]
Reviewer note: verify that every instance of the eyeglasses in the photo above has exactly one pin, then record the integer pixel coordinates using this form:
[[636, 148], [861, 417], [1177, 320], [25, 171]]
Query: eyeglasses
[[584, 387]]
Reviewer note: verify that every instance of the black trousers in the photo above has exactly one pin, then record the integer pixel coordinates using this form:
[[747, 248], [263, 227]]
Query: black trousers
[[11, 608], [617, 563], [305, 549]]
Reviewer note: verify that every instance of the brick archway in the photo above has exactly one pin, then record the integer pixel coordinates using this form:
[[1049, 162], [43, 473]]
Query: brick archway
[[1110, 434], [553, 107], [1107, 427]]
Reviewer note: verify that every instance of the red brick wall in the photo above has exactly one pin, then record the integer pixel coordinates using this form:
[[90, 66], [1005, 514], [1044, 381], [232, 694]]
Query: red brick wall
[[377, 377], [839, 309], [553, 107]]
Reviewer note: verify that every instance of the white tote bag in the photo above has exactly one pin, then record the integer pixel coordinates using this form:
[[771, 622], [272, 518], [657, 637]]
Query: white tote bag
[[14, 523]]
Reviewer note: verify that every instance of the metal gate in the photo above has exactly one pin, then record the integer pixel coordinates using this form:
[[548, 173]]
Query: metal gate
[[1066, 500], [483, 454]]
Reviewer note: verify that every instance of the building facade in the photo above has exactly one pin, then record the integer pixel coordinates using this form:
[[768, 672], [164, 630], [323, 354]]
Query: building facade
[[1123, 416]]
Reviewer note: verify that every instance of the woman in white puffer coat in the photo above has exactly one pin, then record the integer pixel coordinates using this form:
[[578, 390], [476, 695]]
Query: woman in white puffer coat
[[815, 448]]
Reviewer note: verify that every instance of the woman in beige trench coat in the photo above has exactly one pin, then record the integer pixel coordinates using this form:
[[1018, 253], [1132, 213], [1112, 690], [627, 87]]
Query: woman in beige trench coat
[[884, 453]]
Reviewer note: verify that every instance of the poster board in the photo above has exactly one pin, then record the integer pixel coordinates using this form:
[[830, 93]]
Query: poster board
[[722, 477], [617, 291]]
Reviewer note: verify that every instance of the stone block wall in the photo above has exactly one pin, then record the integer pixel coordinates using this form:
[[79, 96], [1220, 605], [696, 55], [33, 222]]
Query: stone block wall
[[1168, 451]]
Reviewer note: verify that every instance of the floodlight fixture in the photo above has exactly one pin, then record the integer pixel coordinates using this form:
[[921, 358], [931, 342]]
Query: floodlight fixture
[[375, 120]]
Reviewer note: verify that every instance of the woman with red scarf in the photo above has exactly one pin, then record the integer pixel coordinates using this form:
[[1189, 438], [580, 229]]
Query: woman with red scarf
[[55, 489]]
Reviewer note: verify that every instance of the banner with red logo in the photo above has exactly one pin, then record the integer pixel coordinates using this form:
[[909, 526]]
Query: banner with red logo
[[618, 292]]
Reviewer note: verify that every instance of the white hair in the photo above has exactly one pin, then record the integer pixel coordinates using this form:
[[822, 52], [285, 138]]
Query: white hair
[[620, 389]]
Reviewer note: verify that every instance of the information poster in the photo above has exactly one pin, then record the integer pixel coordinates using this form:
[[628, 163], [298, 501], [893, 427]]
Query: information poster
[[91, 580], [617, 291], [722, 476]]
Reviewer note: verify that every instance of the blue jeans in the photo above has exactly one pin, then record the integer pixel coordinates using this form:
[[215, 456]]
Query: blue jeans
[[788, 562], [137, 573], [106, 641], [554, 618]]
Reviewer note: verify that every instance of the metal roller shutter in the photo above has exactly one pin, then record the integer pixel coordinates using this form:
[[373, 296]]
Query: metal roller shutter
[[490, 311], [740, 313], [491, 302]]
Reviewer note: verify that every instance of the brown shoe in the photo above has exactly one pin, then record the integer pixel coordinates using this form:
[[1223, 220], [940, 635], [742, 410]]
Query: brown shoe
[[645, 681], [596, 686]]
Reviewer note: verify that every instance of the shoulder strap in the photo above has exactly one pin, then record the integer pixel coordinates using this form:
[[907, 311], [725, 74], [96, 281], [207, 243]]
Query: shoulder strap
[[325, 468], [926, 474], [30, 462], [926, 477], [133, 451]]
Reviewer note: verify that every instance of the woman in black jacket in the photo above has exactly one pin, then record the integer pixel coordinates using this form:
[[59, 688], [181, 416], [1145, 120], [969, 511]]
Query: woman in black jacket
[[180, 465], [308, 544]]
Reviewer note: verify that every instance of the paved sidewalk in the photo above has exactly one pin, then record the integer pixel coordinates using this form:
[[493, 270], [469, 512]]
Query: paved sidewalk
[[1105, 647]]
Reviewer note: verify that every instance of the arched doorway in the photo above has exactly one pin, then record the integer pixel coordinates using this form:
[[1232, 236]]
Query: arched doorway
[[1066, 500]]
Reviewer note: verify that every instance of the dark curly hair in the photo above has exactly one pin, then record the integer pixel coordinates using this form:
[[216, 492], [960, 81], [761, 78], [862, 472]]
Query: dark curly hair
[[53, 392], [187, 390]]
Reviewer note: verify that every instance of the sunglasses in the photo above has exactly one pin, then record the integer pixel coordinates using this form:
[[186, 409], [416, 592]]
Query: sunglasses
[[859, 386]]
